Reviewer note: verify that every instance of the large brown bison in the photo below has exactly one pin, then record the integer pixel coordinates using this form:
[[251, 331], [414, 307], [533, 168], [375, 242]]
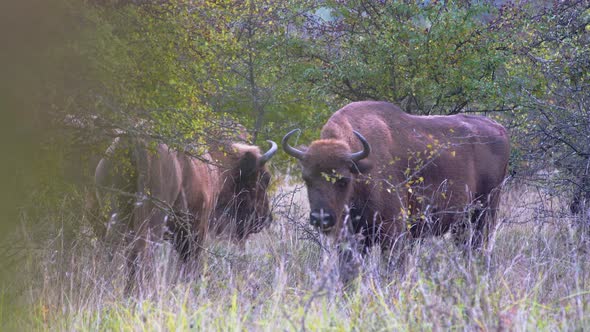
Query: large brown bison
[[390, 176], [152, 192]]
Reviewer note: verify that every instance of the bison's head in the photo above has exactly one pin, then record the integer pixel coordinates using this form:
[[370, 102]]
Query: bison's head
[[244, 200], [330, 170]]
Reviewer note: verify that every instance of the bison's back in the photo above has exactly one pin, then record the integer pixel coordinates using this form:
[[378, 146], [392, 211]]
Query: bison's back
[[464, 143]]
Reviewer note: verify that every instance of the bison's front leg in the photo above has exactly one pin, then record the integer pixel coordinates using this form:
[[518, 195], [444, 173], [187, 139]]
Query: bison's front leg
[[395, 251], [349, 263], [351, 248]]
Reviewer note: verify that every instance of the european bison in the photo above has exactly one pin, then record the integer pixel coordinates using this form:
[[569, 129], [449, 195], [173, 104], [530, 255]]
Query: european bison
[[389, 175], [154, 192]]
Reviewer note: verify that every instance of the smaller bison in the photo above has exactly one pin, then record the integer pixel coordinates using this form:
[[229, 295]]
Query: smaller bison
[[154, 192], [385, 176]]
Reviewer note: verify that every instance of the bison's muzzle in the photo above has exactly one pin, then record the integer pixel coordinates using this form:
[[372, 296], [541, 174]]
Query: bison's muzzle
[[322, 219]]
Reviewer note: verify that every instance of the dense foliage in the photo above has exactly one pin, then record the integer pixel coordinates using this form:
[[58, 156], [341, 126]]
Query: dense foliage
[[171, 69]]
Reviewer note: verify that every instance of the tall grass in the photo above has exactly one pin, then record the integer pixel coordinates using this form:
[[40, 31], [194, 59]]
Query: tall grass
[[535, 276]]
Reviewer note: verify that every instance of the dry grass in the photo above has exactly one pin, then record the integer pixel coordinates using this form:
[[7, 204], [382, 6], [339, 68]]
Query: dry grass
[[535, 277]]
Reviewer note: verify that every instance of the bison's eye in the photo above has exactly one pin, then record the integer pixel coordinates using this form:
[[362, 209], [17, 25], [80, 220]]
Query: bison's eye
[[307, 181], [342, 183], [265, 179]]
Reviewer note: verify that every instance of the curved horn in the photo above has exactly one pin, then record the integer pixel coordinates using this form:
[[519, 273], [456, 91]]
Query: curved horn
[[288, 148], [364, 153], [268, 154]]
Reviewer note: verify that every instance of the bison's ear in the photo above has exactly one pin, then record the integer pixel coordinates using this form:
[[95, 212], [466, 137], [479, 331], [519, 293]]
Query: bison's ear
[[248, 163], [361, 166]]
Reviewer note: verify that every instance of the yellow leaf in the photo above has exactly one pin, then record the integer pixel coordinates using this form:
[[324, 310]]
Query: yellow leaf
[[453, 153]]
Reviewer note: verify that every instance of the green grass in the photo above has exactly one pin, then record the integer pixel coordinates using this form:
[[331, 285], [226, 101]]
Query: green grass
[[535, 277]]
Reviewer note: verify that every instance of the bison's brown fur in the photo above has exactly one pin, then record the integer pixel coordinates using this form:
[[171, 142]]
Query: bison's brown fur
[[421, 174], [151, 193]]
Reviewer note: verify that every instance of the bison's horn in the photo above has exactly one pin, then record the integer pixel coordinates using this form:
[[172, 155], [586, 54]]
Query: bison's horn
[[366, 148], [288, 148], [268, 154]]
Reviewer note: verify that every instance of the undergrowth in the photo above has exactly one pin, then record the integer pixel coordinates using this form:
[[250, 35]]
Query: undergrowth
[[535, 276]]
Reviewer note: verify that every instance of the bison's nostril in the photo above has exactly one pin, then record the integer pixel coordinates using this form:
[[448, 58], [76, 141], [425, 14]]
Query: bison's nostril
[[314, 219], [327, 221]]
